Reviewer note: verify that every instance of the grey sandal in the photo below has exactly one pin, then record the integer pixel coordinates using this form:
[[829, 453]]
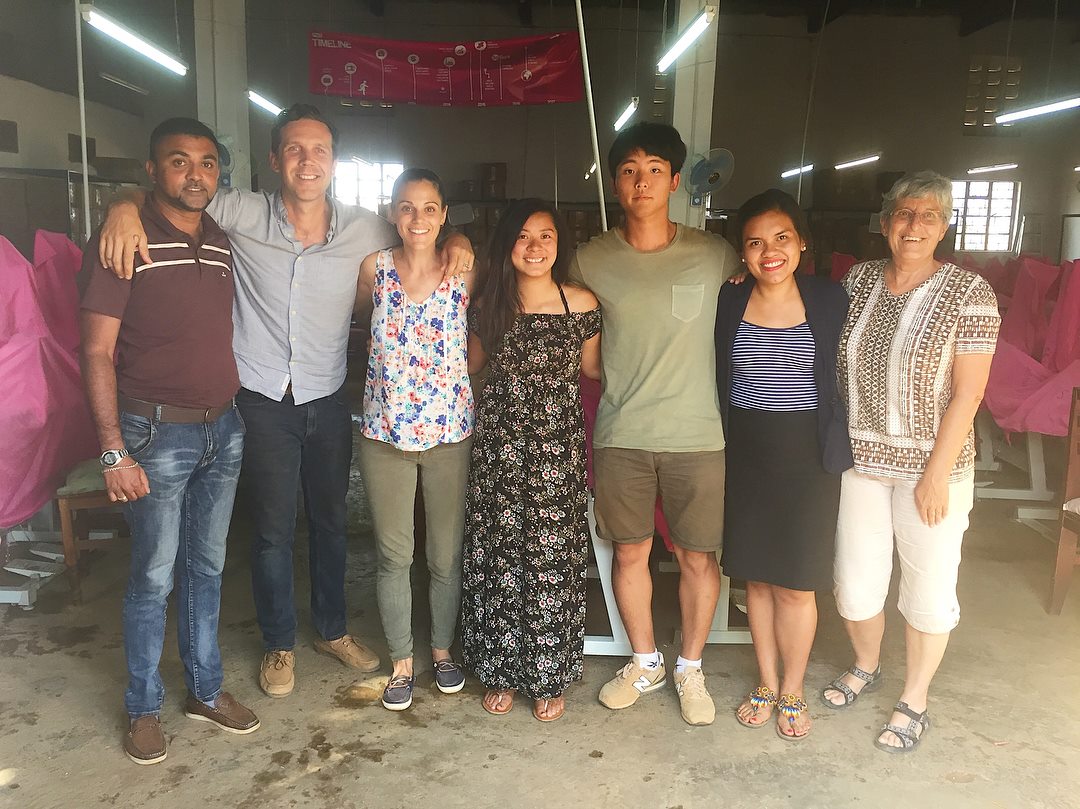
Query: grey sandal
[[872, 681], [909, 739]]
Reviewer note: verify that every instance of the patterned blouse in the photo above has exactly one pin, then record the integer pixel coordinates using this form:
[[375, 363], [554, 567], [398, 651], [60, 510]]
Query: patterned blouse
[[895, 364], [417, 394]]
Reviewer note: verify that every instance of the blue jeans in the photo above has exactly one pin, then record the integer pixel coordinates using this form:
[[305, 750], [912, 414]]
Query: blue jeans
[[178, 530], [290, 444]]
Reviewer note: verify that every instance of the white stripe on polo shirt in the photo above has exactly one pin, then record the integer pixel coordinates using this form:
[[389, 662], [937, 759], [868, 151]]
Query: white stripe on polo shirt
[[168, 244], [215, 263], [215, 249], [154, 264]]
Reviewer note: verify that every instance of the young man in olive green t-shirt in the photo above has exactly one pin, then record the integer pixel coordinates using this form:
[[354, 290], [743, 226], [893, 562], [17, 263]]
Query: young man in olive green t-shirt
[[658, 428]]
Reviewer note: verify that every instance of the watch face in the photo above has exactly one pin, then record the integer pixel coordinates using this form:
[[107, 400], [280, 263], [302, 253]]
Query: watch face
[[111, 458]]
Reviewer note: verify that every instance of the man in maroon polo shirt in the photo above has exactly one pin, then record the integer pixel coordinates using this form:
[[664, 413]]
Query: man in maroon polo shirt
[[171, 437]]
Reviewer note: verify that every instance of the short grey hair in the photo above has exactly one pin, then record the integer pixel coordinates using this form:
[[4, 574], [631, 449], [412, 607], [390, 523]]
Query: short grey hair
[[918, 185]]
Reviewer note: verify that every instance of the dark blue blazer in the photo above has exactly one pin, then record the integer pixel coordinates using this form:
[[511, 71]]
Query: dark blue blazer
[[826, 305]]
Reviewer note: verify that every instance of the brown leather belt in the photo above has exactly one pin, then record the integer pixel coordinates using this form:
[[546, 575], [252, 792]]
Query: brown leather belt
[[170, 413]]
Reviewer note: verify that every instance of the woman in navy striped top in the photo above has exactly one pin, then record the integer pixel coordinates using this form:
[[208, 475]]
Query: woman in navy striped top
[[776, 340]]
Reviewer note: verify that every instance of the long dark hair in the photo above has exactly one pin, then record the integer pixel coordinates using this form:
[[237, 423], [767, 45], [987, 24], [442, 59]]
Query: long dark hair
[[499, 301]]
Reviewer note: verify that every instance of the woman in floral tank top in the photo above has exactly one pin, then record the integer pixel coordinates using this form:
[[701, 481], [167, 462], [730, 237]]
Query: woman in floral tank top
[[417, 424]]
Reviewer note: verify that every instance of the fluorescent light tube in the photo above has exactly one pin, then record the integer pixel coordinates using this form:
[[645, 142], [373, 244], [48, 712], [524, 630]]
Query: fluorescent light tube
[[627, 114], [862, 161], [125, 84], [792, 172], [1077, 168], [266, 104], [998, 167], [132, 40], [1044, 109], [589, 173], [687, 38]]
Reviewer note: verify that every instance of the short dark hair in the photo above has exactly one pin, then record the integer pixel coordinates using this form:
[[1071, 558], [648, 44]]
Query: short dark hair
[[657, 140], [181, 126], [772, 200], [298, 112], [417, 175]]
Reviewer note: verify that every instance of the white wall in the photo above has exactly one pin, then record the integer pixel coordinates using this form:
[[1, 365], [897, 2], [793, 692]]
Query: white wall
[[889, 84], [532, 140], [45, 117], [894, 85]]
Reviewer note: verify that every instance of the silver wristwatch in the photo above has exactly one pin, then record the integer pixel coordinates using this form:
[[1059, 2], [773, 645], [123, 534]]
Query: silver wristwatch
[[111, 457]]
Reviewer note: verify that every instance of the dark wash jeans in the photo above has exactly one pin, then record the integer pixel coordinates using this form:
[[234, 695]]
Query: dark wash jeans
[[178, 531], [287, 444]]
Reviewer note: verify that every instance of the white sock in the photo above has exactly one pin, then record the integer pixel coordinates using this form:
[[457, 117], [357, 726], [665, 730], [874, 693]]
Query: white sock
[[649, 661], [682, 664]]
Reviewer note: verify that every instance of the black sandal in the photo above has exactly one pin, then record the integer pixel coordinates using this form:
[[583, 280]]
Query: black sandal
[[909, 739], [872, 681]]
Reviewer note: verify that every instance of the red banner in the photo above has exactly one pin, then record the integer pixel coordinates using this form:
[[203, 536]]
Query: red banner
[[481, 73]]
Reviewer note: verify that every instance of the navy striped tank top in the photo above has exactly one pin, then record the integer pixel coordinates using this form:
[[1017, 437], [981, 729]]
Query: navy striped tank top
[[773, 369]]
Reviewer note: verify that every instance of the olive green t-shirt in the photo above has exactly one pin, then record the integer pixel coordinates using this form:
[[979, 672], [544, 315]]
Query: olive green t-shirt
[[658, 351]]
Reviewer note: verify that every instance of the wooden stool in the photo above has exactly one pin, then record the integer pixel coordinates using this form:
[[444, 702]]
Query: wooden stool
[[1067, 558], [84, 490]]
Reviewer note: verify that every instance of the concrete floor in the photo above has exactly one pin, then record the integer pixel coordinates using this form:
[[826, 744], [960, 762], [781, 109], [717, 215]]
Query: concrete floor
[[1004, 707]]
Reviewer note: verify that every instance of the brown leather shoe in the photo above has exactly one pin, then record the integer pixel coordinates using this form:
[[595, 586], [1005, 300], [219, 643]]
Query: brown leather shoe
[[227, 713], [145, 741], [276, 676], [350, 652]]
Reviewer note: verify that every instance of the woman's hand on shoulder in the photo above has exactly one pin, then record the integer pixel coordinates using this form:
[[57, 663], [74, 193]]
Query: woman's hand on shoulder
[[580, 299]]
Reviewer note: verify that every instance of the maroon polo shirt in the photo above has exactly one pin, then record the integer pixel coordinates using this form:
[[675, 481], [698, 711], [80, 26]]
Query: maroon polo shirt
[[175, 340]]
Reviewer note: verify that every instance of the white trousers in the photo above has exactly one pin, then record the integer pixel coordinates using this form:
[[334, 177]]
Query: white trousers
[[877, 515]]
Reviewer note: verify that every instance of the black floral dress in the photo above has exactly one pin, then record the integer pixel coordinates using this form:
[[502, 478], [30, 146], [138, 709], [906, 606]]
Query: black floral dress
[[526, 534]]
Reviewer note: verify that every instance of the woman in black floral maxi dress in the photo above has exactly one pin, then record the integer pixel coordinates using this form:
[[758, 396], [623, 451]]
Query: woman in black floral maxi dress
[[526, 536]]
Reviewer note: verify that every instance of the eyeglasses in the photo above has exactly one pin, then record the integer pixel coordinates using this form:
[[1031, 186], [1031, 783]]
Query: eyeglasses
[[908, 216]]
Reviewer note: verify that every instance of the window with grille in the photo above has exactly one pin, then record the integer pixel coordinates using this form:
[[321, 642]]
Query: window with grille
[[358, 182], [985, 214]]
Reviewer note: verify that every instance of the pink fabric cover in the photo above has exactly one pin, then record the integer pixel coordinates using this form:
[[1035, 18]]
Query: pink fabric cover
[[44, 419], [590, 401], [1025, 394], [56, 263], [1063, 337], [841, 264], [1027, 320]]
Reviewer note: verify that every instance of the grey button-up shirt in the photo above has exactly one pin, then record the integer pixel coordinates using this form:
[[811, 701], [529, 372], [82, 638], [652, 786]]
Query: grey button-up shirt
[[293, 305]]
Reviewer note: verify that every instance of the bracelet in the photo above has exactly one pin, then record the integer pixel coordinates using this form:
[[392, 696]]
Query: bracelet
[[118, 468]]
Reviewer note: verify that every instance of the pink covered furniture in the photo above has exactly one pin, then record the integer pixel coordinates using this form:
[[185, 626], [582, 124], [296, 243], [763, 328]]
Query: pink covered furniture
[[43, 413], [1037, 363], [841, 265]]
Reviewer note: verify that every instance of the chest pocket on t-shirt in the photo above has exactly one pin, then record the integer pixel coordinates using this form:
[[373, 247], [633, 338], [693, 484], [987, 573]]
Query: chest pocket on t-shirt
[[686, 301]]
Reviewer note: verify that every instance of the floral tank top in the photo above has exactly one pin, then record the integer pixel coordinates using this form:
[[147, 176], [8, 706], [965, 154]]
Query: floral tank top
[[417, 393]]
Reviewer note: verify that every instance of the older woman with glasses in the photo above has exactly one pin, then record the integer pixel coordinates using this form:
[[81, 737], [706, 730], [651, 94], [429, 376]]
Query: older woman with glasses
[[913, 361]]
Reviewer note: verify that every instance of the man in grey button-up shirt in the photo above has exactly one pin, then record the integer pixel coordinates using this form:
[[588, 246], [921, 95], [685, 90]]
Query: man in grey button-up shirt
[[297, 256]]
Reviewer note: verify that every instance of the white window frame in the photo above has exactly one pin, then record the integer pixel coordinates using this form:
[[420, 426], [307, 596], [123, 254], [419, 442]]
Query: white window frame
[[978, 213], [365, 183]]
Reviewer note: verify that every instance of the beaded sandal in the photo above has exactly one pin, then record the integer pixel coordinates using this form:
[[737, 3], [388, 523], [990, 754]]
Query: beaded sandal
[[790, 707], [760, 698], [872, 680], [909, 739]]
